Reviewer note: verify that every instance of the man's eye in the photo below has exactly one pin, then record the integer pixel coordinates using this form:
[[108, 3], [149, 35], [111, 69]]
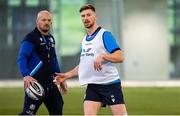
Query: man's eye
[[43, 19]]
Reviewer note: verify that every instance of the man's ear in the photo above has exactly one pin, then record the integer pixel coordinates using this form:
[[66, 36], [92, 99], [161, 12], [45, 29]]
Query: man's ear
[[36, 22]]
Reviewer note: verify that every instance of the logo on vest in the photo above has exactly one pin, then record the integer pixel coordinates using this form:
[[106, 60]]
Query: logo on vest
[[87, 52]]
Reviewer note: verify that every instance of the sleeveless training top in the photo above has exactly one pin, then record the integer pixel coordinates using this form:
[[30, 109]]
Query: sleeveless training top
[[90, 50]]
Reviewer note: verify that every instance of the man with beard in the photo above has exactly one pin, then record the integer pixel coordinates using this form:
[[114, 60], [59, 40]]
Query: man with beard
[[38, 62], [96, 70]]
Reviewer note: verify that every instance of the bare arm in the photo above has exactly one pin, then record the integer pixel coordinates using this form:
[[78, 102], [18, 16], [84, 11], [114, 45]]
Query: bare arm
[[61, 77], [115, 57], [72, 73]]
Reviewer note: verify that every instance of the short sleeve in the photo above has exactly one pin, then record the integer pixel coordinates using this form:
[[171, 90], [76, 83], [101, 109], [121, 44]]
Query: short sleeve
[[110, 42]]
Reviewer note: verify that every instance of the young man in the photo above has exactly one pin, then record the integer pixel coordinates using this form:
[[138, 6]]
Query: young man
[[96, 69], [37, 62]]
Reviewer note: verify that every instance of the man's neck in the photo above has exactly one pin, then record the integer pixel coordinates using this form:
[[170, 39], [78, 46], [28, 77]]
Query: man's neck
[[42, 32], [91, 30]]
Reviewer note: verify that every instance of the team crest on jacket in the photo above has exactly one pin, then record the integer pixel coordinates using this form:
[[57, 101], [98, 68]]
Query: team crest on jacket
[[41, 39], [51, 40]]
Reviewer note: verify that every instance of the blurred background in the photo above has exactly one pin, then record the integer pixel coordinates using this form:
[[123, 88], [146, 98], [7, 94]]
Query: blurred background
[[148, 32]]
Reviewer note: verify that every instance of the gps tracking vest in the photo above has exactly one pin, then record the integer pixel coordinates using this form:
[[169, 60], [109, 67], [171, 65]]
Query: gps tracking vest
[[90, 51]]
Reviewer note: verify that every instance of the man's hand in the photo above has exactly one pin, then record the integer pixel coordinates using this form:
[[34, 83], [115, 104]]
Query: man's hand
[[27, 80], [60, 82], [98, 62], [60, 77], [63, 87]]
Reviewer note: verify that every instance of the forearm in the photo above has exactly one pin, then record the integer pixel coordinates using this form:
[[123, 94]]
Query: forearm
[[115, 57], [73, 72]]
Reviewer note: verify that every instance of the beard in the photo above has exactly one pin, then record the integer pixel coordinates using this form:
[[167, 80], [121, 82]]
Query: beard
[[45, 28], [88, 24]]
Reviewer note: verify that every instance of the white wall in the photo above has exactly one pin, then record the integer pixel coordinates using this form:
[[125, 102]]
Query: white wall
[[145, 34]]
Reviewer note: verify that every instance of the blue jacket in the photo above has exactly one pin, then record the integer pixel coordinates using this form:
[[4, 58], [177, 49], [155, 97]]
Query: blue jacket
[[37, 57]]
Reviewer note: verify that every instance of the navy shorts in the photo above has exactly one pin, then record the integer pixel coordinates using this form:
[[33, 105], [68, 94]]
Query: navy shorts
[[106, 94]]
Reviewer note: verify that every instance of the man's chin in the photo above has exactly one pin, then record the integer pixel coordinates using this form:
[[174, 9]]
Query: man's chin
[[88, 26], [45, 30]]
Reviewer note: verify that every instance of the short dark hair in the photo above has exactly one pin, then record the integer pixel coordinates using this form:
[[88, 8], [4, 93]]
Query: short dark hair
[[87, 6]]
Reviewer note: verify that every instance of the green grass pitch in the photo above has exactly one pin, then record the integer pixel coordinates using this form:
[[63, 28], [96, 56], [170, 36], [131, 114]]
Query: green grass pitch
[[139, 101]]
